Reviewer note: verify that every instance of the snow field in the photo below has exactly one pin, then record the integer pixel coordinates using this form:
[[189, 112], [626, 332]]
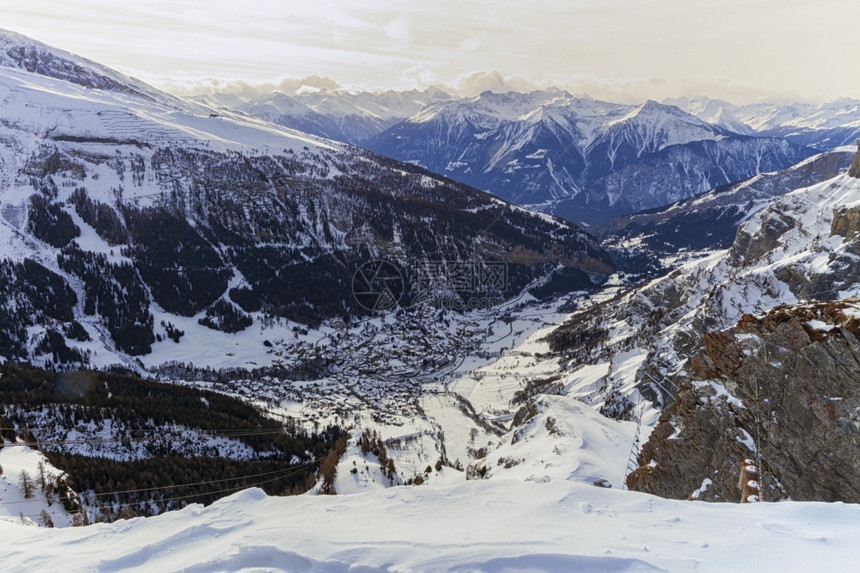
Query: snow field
[[500, 525]]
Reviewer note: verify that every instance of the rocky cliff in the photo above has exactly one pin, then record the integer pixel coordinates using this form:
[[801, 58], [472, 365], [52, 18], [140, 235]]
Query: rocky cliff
[[781, 389], [854, 170]]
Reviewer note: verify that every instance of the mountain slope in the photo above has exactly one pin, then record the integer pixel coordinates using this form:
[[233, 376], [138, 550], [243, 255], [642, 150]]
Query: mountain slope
[[151, 217], [710, 220], [23, 53], [779, 389], [576, 157], [801, 247]]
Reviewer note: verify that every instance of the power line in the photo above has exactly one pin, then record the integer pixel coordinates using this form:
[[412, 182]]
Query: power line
[[88, 441], [285, 472], [219, 431], [227, 490]]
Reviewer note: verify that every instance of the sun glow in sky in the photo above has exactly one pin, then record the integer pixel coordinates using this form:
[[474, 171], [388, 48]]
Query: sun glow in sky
[[626, 50]]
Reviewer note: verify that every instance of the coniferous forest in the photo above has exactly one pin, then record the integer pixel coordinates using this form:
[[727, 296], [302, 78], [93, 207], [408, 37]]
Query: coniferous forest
[[137, 447]]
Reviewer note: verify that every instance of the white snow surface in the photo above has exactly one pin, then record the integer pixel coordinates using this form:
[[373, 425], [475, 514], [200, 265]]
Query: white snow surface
[[498, 526], [14, 507]]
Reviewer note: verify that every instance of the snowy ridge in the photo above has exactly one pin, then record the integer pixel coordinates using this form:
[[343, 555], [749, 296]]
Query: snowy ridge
[[563, 440], [71, 111], [788, 252], [23, 53], [653, 127], [480, 526], [823, 126]]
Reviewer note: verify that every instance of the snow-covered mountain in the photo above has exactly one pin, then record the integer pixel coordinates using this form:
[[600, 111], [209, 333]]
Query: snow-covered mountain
[[22, 53], [710, 220], [580, 158], [221, 253], [135, 223], [799, 247], [822, 126], [569, 155], [336, 113]]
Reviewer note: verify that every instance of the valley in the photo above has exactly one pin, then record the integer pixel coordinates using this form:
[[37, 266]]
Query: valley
[[419, 330]]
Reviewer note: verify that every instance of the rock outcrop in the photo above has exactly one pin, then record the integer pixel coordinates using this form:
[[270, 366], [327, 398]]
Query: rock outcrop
[[854, 170], [784, 389], [846, 222]]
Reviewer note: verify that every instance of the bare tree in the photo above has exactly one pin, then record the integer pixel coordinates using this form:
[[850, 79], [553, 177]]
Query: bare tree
[[45, 519], [42, 480], [26, 483]]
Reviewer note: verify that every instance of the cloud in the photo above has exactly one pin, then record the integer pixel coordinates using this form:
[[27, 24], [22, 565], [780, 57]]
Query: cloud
[[470, 44], [618, 49], [243, 89], [417, 77], [475, 83], [398, 30]]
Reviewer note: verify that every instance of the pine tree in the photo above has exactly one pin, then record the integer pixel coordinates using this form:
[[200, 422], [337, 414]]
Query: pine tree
[[26, 483]]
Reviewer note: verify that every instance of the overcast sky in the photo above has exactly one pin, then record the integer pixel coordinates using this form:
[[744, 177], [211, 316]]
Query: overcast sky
[[627, 50]]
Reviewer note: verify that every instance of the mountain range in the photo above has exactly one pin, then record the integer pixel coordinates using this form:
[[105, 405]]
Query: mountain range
[[582, 159], [573, 156], [710, 220], [821, 126]]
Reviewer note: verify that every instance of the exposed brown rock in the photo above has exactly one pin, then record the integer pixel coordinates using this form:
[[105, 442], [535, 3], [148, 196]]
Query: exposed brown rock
[[846, 222], [854, 170], [776, 384]]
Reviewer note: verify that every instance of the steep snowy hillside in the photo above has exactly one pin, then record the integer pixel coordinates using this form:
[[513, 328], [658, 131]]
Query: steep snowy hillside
[[31, 488], [711, 220], [801, 247], [166, 228], [577, 157], [23, 53]]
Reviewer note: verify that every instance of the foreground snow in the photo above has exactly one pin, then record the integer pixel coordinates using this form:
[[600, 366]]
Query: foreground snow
[[498, 525]]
